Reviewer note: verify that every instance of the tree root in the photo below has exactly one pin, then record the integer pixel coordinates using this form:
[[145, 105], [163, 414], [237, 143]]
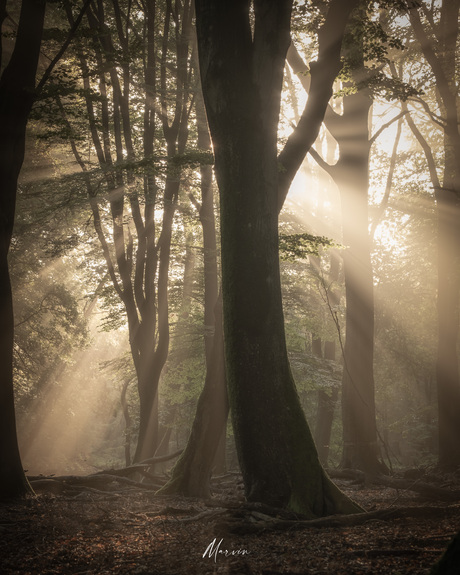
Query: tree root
[[426, 489], [253, 522]]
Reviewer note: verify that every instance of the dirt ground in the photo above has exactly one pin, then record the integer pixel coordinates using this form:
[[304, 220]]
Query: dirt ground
[[132, 531]]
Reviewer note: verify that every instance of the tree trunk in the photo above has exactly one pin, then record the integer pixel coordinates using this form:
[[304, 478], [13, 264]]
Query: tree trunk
[[447, 370], [17, 85], [242, 78], [439, 46], [325, 412], [206, 445], [448, 212], [360, 450], [351, 176], [139, 270], [450, 561], [208, 224], [192, 472]]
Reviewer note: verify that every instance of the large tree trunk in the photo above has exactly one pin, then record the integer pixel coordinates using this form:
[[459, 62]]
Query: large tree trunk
[[16, 98], [358, 404], [447, 369], [448, 211], [241, 78]]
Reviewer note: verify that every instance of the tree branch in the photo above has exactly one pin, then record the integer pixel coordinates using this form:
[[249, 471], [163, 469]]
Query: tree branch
[[63, 48], [321, 161], [323, 73], [387, 125], [384, 202]]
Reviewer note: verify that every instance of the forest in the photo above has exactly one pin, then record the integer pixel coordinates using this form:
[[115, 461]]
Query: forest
[[230, 287]]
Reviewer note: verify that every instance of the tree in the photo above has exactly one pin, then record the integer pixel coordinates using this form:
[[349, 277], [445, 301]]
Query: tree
[[351, 130], [140, 169], [242, 70], [17, 85], [437, 31], [192, 472], [450, 560], [17, 95]]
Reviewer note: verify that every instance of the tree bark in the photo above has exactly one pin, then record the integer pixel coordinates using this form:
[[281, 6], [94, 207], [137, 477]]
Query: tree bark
[[242, 77], [360, 450], [17, 85]]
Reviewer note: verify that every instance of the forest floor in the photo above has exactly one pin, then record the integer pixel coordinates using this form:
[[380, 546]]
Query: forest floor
[[128, 530]]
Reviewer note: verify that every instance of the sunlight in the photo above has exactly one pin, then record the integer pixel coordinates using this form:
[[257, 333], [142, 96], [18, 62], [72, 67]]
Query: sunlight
[[387, 235], [76, 414]]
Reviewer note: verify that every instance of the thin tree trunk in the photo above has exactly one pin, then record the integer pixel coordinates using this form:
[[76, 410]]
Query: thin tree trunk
[[206, 445], [360, 449], [192, 472], [141, 278], [439, 46]]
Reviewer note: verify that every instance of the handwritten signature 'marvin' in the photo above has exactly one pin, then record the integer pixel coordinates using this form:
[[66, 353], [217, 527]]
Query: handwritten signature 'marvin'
[[213, 549]]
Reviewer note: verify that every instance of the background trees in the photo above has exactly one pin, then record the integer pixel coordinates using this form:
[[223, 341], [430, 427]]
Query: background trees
[[121, 224], [437, 31], [124, 126]]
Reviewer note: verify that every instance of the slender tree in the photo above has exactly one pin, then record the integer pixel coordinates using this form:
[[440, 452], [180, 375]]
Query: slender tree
[[192, 473], [436, 30], [137, 249], [351, 130]]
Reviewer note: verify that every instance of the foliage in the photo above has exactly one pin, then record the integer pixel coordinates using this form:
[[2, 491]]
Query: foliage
[[300, 246], [58, 269]]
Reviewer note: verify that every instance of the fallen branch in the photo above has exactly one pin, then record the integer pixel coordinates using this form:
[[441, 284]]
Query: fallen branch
[[100, 481], [131, 470], [207, 514]]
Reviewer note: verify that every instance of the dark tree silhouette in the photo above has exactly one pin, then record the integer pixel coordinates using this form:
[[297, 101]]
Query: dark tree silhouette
[[17, 88], [242, 71], [439, 42]]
